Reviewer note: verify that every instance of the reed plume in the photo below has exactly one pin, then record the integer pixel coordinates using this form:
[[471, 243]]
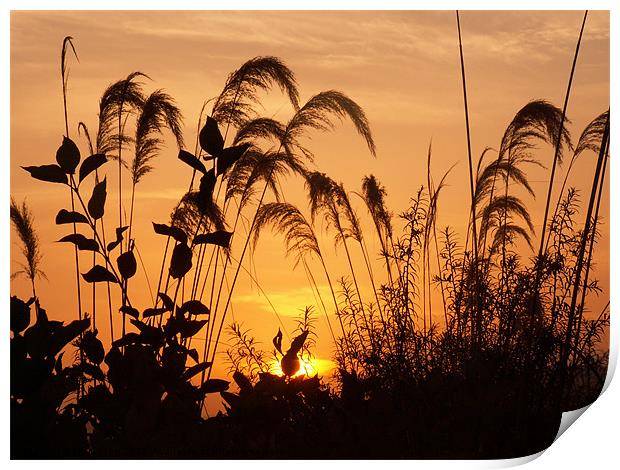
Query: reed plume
[[374, 194], [287, 220], [234, 105], [123, 92], [23, 223], [318, 114], [589, 140], [538, 120], [255, 167], [158, 112]]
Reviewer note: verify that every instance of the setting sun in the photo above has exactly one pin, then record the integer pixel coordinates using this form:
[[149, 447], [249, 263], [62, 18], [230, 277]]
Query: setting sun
[[314, 366]]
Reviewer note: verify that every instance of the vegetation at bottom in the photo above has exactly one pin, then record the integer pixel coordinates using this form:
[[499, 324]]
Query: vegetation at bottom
[[484, 374]]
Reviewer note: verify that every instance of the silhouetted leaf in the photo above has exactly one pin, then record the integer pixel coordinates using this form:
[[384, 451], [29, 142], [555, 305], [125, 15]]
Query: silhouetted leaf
[[167, 301], [90, 164], [148, 334], [175, 232], [129, 338], [58, 364], [120, 230], [92, 347], [245, 385], [220, 238], [181, 261], [65, 334], [99, 274], [194, 307], [297, 343], [151, 312], [277, 341], [93, 370], [49, 173], [37, 337], [210, 137], [131, 311], [197, 369], [42, 314], [205, 191], [119, 238], [127, 265], [173, 361], [229, 156], [20, 315], [192, 327], [83, 243], [231, 398], [68, 156], [193, 354], [66, 217], [186, 328], [214, 386], [192, 161], [96, 204]]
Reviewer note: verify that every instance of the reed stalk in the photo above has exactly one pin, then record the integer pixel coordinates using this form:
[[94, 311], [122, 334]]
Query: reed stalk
[[566, 349], [478, 314]]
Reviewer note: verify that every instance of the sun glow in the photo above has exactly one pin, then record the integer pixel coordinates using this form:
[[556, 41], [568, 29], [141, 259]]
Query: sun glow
[[309, 367]]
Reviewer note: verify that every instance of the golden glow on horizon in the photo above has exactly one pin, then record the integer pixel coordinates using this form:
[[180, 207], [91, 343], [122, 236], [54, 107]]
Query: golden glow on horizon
[[309, 368]]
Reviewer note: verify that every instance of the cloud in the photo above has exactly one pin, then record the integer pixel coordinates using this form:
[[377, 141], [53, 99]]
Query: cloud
[[361, 37]]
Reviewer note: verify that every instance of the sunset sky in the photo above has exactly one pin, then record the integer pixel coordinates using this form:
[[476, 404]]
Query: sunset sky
[[401, 67]]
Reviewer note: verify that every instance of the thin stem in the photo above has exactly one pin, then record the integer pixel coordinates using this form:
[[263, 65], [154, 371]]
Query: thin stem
[[471, 178], [146, 276], [558, 144], [539, 259], [581, 255], [371, 276], [317, 296], [120, 199], [591, 248], [94, 325], [107, 282], [64, 102], [77, 265], [161, 271]]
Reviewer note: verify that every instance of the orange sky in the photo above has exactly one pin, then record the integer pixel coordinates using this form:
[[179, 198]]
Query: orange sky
[[401, 67]]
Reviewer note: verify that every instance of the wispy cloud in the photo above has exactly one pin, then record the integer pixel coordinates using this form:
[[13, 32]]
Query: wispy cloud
[[365, 36], [289, 302]]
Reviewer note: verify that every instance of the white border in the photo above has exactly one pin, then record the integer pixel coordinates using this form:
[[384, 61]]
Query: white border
[[592, 443]]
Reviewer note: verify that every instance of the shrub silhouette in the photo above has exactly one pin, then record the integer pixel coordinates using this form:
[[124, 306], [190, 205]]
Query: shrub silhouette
[[43, 423]]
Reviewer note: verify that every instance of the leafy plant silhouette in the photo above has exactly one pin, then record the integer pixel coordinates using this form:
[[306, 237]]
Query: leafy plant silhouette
[[41, 388]]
